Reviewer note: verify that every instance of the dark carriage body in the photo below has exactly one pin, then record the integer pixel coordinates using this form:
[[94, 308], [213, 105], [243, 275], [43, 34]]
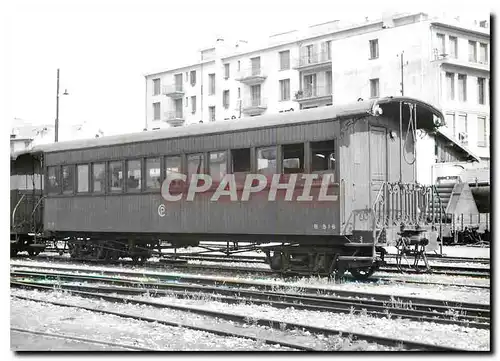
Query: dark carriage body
[[366, 143]]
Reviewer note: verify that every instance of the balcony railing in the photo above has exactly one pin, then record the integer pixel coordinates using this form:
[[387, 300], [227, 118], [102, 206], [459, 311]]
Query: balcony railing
[[253, 106], [320, 58], [313, 92], [173, 91], [251, 75], [174, 118]]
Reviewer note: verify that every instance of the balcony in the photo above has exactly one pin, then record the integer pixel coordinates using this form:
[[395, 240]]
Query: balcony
[[316, 95], [174, 119], [174, 91], [317, 61], [449, 60], [251, 106], [251, 76]]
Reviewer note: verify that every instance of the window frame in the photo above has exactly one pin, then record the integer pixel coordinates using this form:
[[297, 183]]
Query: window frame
[[282, 83], [77, 191], [109, 176], [281, 53], [92, 178], [125, 179], [154, 111], [73, 191], [281, 154], [58, 173], [377, 82], [277, 149], [155, 82], [374, 48]]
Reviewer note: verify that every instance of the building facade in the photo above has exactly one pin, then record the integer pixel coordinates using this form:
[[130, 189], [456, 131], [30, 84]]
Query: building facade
[[442, 61]]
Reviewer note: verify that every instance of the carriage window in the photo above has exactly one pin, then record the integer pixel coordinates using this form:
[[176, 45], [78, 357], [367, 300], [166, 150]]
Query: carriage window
[[98, 177], [83, 178], [195, 165], [323, 157], [133, 175], [217, 166], [241, 160], [53, 180], [68, 178], [116, 176], [172, 165], [266, 160], [153, 173], [293, 158]]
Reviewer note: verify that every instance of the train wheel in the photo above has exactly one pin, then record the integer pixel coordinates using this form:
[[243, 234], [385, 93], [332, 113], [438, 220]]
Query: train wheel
[[33, 252], [362, 274]]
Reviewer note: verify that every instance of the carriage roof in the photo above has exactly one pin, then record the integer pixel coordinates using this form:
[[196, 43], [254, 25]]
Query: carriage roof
[[367, 107]]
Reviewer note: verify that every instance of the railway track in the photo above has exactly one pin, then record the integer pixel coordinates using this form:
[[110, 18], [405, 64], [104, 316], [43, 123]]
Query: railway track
[[405, 344], [473, 272], [417, 309]]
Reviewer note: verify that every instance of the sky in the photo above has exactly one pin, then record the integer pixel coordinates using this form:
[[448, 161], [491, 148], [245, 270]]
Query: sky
[[104, 48]]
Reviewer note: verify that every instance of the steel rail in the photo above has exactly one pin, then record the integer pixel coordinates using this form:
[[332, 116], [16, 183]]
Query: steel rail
[[260, 321], [214, 281], [466, 317], [154, 320], [74, 338]]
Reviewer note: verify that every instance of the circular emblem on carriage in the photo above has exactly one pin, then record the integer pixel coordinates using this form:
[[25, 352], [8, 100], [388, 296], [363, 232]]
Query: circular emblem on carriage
[[161, 210]]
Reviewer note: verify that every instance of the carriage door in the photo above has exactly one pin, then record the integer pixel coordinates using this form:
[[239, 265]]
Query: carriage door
[[378, 160]]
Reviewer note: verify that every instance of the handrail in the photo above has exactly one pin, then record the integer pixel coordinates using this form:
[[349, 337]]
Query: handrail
[[15, 210]]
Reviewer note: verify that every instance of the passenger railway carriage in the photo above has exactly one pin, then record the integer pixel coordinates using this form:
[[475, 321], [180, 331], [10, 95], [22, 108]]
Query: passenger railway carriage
[[104, 195]]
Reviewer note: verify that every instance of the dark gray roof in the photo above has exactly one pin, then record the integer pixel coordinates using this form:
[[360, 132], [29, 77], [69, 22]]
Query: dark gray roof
[[264, 121]]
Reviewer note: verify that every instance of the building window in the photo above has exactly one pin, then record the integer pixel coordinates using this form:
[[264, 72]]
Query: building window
[[211, 84], [462, 87], [156, 86], [441, 44], [480, 88], [450, 123], [153, 173], [483, 53], [156, 111], [225, 99], [329, 88], [374, 88], [327, 50], [284, 60], [255, 65], [239, 65], [192, 77], [323, 157], [453, 47], [187, 101], [217, 165], [266, 160], [133, 175], [178, 82], [374, 49], [450, 86], [98, 177], [240, 160], [255, 94], [462, 128], [53, 180], [211, 113], [193, 104], [68, 179], [82, 171], [116, 176], [226, 71], [482, 132], [293, 158], [472, 52], [285, 89]]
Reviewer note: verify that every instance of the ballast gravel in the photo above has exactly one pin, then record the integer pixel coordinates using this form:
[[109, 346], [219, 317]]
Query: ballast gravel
[[75, 322]]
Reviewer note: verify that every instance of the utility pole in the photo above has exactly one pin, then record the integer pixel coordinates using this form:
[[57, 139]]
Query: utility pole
[[56, 137], [402, 77], [57, 111]]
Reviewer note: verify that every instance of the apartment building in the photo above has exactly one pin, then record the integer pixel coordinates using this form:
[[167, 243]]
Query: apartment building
[[442, 61]]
